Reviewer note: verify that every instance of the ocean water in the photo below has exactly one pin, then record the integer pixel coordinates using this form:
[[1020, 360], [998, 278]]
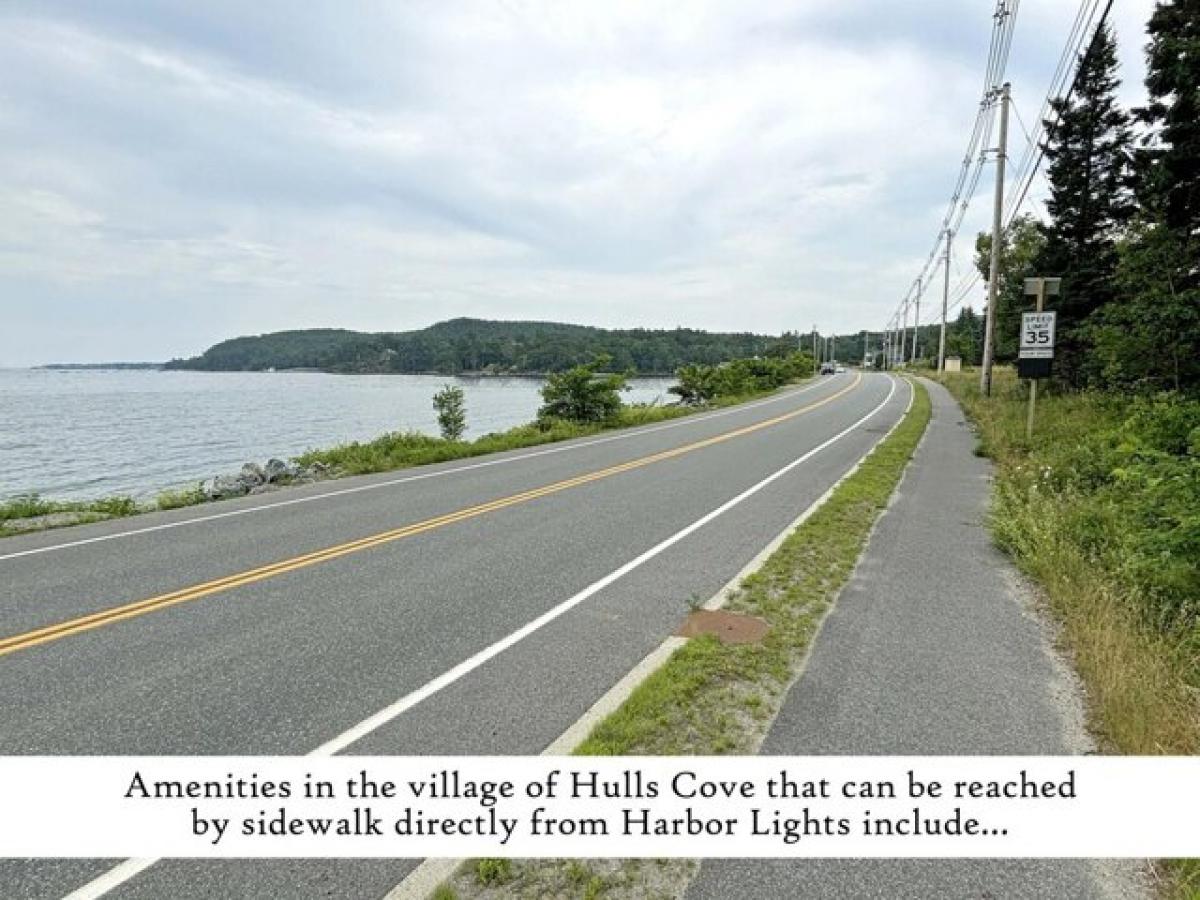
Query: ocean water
[[80, 434]]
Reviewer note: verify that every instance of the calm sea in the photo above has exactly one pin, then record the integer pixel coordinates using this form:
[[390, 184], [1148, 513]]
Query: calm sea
[[90, 433]]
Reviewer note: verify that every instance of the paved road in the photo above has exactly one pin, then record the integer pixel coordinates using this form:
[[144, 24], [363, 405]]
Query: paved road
[[933, 648], [294, 655]]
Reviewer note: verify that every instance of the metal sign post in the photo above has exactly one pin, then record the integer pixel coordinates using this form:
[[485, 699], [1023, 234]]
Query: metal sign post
[[1036, 354]]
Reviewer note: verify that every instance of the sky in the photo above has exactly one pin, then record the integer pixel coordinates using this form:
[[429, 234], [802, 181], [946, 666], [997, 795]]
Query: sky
[[174, 174]]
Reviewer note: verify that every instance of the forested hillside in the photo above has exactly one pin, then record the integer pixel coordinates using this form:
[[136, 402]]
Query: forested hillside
[[475, 345]]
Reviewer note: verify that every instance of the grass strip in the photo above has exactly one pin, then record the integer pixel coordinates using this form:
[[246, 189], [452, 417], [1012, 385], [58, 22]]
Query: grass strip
[[716, 699], [1072, 512]]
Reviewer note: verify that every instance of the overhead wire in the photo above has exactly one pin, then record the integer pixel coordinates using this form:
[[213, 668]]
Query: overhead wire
[[971, 168], [1082, 32]]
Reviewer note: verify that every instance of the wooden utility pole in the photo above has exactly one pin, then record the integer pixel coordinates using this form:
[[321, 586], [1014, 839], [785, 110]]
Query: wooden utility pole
[[917, 324], [997, 239], [945, 302], [989, 330]]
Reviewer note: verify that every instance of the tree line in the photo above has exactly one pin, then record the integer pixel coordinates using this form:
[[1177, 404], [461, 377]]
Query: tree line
[[474, 345]]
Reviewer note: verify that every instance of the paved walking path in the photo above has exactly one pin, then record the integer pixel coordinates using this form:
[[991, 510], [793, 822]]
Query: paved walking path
[[932, 648]]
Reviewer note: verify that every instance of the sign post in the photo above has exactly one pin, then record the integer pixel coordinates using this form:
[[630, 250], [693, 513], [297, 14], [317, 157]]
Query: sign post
[[1036, 354]]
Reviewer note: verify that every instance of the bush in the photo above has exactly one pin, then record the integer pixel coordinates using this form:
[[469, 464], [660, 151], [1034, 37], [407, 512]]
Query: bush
[[701, 385], [583, 395]]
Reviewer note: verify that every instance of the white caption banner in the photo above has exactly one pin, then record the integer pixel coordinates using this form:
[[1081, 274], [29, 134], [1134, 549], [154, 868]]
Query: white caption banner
[[761, 806]]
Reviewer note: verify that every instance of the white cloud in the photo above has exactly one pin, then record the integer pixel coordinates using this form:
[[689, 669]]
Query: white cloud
[[235, 168]]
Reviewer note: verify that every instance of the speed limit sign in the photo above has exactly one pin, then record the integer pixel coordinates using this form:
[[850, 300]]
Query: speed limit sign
[[1037, 335], [1037, 345]]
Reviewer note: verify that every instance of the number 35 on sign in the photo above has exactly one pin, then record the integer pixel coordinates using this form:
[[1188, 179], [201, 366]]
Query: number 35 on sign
[[1037, 335]]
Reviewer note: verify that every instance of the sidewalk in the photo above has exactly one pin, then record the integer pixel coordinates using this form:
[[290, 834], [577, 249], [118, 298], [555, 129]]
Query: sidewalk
[[933, 648]]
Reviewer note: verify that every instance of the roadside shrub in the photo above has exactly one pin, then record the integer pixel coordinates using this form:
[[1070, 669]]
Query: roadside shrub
[[583, 395], [701, 385]]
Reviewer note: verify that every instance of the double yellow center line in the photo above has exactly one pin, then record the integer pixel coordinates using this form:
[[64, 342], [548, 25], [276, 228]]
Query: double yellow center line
[[195, 592]]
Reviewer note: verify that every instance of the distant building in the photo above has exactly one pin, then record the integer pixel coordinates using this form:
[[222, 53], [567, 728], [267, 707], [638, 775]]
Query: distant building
[[953, 363]]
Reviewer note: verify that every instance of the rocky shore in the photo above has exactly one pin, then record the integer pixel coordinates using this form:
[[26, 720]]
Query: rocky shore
[[256, 479]]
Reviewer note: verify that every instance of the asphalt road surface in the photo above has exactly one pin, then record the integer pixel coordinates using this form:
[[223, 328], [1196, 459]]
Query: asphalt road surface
[[279, 624]]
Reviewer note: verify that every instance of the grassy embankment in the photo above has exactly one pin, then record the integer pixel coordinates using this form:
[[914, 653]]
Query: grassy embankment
[[717, 699], [395, 450], [1102, 508]]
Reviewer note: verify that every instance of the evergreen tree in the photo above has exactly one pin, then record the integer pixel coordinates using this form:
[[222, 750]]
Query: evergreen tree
[[1169, 162], [1089, 148], [964, 337], [1149, 338]]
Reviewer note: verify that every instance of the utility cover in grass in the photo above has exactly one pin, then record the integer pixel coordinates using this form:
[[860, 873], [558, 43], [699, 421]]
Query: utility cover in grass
[[729, 628]]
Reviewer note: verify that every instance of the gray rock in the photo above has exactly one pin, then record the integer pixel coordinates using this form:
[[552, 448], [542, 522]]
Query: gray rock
[[252, 474], [278, 470], [223, 486]]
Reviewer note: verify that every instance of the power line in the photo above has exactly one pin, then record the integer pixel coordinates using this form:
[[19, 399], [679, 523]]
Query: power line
[[1082, 32], [1004, 23], [1015, 207]]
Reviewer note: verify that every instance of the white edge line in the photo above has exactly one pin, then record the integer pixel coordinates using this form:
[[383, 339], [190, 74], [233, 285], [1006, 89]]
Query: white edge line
[[129, 868], [392, 482], [113, 878], [422, 881]]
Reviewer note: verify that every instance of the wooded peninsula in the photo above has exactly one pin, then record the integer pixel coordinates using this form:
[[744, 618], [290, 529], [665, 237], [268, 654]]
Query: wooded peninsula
[[488, 347]]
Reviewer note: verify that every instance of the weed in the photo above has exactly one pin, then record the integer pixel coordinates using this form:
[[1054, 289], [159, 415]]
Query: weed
[[491, 871]]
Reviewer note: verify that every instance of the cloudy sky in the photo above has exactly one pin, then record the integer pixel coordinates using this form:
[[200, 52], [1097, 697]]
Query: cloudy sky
[[172, 174]]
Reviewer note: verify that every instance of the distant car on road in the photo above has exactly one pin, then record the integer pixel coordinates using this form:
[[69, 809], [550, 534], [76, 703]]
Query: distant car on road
[[828, 368], [841, 369]]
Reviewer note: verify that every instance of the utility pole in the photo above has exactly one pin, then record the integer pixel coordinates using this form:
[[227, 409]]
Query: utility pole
[[945, 301], [904, 333], [815, 360], [989, 331], [917, 323]]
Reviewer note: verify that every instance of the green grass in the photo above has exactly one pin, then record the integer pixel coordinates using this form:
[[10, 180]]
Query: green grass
[[175, 499], [491, 872], [716, 699], [1102, 508], [588, 879], [31, 506]]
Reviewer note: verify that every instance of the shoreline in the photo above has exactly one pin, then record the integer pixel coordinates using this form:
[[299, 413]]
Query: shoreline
[[539, 375], [26, 514]]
